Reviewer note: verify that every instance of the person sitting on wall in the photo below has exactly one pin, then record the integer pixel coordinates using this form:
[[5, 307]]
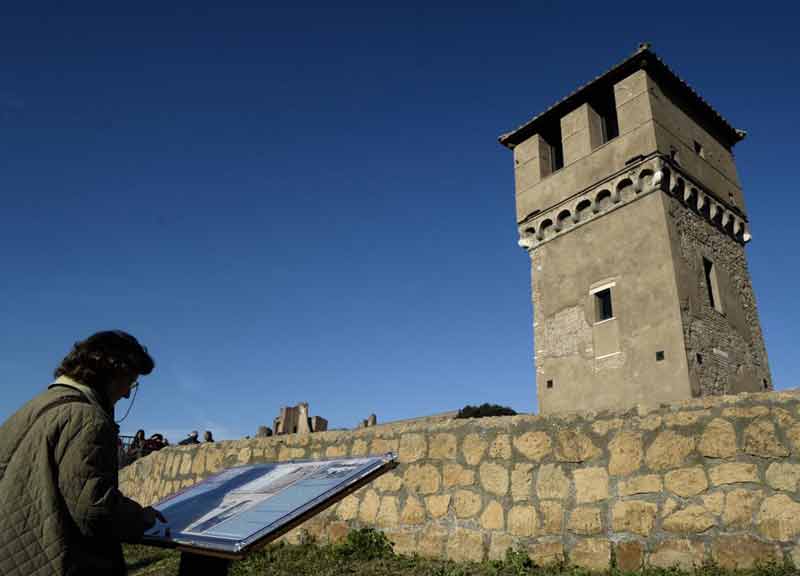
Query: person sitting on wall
[[154, 443], [136, 448], [190, 439], [207, 437], [60, 504]]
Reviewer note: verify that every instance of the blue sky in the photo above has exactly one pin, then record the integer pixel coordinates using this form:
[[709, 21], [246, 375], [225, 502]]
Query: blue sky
[[309, 203]]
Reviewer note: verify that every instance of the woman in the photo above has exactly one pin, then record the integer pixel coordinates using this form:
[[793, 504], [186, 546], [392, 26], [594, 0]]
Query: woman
[[60, 505]]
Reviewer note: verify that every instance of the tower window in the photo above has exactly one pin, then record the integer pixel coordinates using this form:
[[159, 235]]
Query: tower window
[[606, 108], [552, 136], [698, 149], [549, 383], [602, 305], [712, 285]]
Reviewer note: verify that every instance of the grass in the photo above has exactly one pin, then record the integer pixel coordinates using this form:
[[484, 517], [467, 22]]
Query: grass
[[368, 553]]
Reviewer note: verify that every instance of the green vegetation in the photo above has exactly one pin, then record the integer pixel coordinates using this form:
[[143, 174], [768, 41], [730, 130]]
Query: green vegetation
[[367, 552], [485, 410]]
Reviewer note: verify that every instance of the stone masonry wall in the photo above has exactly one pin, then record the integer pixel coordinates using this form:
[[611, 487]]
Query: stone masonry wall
[[711, 478], [725, 351]]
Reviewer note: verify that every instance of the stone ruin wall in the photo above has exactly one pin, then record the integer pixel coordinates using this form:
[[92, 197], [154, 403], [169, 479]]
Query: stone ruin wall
[[714, 478]]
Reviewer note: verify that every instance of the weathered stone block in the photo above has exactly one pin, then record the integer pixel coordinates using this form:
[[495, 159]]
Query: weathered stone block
[[465, 545], [389, 482], [432, 541], [199, 464], [626, 453], [457, 475], [186, 463], [500, 448], [714, 502], [473, 448], [494, 478], [384, 445], [686, 482], [437, 505], [423, 479], [760, 439], [733, 473], [634, 516], [500, 543], [745, 412], [743, 551], [522, 521], [368, 510], [669, 450], [552, 517], [646, 484], [413, 447], [591, 553], [575, 446], [783, 476], [602, 427], [521, 482], [684, 554], [718, 440], [466, 503], [493, 517], [629, 555], [413, 512], [360, 448], [348, 508], [387, 512], [534, 445], [585, 520], [552, 483], [591, 485], [739, 508], [336, 451], [685, 418], [779, 518], [443, 447], [546, 553], [691, 520]]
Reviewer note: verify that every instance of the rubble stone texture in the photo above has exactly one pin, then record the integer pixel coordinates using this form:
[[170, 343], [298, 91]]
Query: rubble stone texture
[[638, 482]]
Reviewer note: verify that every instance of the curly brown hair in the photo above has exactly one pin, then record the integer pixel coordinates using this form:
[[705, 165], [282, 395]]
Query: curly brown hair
[[102, 356]]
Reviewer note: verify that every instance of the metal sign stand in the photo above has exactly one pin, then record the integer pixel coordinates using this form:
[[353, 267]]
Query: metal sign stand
[[196, 564]]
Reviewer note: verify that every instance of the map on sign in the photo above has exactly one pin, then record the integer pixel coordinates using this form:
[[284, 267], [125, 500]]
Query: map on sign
[[244, 506]]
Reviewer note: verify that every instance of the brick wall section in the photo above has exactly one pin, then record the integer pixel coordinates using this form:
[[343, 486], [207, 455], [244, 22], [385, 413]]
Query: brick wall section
[[731, 346], [712, 478]]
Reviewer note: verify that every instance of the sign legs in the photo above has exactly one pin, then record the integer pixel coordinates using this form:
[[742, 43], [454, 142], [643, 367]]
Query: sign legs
[[195, 564]]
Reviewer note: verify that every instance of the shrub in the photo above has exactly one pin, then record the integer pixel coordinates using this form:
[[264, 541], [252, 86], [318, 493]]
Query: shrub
[[485, 410], [365, 544]]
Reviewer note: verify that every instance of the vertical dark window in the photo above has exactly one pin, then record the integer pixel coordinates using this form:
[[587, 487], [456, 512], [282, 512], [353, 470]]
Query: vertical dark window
[[552, 135], [602, 305], [712, 286], [606, 108], [698, 149]]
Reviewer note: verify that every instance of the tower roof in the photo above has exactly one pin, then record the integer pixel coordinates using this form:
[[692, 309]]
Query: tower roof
[[643, 58]]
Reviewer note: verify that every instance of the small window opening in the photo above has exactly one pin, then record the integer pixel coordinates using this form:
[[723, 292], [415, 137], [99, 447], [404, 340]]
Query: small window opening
[[552, 135], [765, 383], [699, 358], [659, 355], [712, 285], [606, 109], [698, 149], [549, 383], [602, 305]]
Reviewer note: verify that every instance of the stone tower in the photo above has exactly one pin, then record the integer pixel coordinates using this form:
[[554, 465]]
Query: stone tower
[[631, 210]]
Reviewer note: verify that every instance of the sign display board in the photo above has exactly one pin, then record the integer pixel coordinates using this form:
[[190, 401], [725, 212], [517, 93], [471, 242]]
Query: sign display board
[[247, 506]]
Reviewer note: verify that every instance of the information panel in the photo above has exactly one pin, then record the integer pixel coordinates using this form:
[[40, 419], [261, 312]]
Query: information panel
[[248, 505]]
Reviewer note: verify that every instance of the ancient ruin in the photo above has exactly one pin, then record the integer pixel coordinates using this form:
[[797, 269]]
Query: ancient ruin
[[630, 207], [295, 420]]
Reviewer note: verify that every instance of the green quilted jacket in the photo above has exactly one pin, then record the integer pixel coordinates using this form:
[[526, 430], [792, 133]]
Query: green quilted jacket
[[61, 512]]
